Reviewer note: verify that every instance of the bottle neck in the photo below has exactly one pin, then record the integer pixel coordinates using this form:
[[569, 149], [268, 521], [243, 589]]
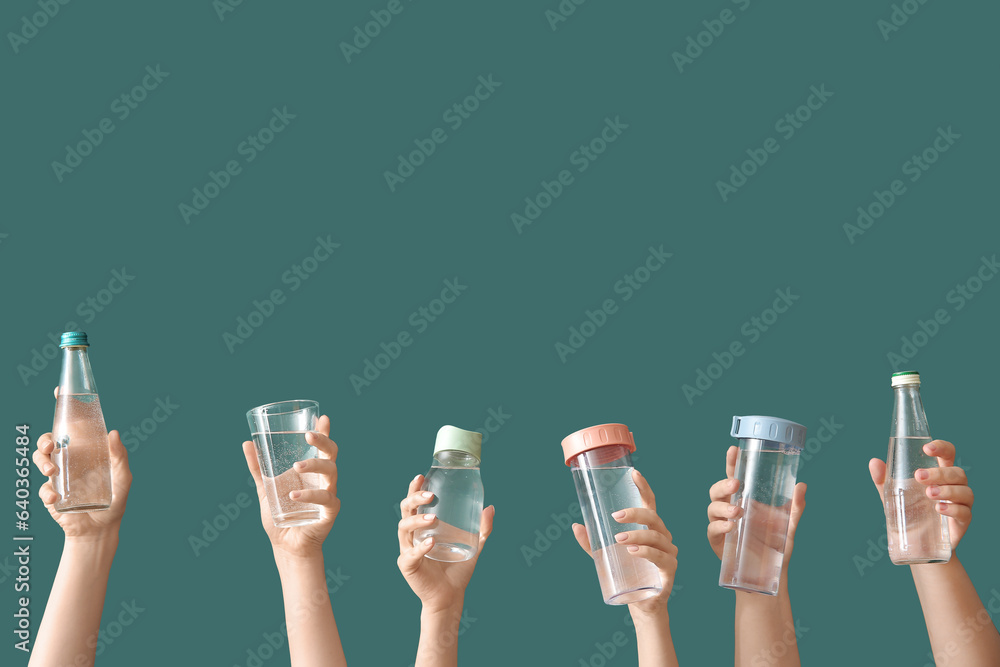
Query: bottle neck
[[76, 376], [908, 417], [450, 458]]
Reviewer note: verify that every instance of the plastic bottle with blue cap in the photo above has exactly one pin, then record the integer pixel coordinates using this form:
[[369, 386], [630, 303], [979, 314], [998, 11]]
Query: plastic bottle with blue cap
[[766, 467], [81, 455]]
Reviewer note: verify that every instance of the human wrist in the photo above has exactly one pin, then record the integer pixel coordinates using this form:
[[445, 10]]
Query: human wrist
[[443, 612], [292, 561], [97, 548]]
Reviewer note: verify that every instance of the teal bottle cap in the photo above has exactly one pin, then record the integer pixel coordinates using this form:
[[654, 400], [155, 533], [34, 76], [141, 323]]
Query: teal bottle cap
[[450, 438], [73, 339], [903, 378]]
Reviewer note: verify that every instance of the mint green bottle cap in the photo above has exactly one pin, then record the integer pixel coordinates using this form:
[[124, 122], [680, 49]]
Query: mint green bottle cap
[[450, 438], [73, 339]]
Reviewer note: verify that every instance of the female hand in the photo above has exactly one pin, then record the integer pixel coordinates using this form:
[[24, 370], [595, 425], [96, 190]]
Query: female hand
[[303, 540], [439, 585], [654, 544]]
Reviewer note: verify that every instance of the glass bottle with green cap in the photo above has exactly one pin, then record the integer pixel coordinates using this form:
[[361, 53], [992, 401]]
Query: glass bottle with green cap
[[916, 532], [457, 486], [81, 456]]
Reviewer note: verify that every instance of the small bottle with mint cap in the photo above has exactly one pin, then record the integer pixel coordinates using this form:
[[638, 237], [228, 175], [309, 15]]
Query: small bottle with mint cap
[[81, 454], [915, 531], [457, 485]]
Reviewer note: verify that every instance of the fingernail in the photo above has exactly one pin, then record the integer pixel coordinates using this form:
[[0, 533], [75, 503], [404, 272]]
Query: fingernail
[[621, 537], [428, 517], [930, 447], [620, 514], [923, 474], [49, 469], [942, 506], [429, 541], [632, 548], [426, 494], [294, 494], [733, 510], [415, 478], [934, 490], [299, 465]]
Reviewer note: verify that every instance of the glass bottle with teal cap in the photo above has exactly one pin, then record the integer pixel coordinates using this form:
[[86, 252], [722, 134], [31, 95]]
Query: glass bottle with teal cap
[[455, 481], [81, 456]]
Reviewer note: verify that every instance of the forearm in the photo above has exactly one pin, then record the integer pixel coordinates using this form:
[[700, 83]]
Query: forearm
[[313, 639], [765, 629], [957, 623], [72, 618], [439, 637], [656, 645]]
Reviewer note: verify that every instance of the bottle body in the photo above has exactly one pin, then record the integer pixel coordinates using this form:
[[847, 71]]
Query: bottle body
[[81, 455], [754, 552], [456, 482], [916, 533], [603, 480]]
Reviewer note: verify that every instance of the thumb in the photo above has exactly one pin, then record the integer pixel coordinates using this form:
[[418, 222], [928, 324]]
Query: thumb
[[120, 471], [580, 533], [250, 452], [877, 469], [798, 508], [410, 560]]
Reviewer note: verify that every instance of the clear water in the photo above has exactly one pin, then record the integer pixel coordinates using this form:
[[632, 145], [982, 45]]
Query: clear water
[[754, 552], [916, 532], [81, 455], [277, 452], [624, 578], [458, 505]]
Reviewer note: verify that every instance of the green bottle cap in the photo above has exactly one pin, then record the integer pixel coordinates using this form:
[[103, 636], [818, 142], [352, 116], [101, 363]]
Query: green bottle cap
[[73, 339], [904, 378], [450, 438]]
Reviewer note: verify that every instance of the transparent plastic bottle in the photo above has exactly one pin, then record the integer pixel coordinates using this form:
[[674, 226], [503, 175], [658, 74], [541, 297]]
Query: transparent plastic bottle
[[916, 532], [81, 454], [455, 481], [600, 458], [754, 553]]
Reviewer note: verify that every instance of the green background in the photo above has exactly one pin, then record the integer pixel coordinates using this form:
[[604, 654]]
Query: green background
[[494, 347]]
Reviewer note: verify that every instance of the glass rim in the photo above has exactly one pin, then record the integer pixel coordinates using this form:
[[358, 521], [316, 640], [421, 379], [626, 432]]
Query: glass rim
[[254, 412]]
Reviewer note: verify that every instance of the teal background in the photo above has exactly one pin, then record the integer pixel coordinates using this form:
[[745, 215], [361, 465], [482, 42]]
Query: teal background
[[494, 347]]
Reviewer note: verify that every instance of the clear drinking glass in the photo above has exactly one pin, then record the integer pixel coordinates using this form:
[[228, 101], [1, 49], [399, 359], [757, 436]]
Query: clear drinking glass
[[279, 434]]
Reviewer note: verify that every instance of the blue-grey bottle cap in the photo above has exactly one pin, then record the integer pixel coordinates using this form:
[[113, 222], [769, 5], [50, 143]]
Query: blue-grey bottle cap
[[73, 339], [769, 428]]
